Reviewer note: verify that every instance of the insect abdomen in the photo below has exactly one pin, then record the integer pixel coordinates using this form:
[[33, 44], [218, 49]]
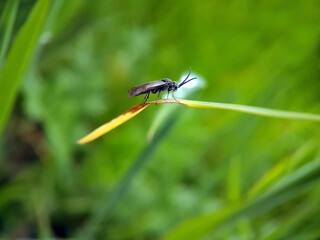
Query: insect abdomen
[[137, 92], [147, 87]]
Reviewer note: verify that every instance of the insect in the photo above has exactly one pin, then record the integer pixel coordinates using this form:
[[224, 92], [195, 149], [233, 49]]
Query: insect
[[158, 86]]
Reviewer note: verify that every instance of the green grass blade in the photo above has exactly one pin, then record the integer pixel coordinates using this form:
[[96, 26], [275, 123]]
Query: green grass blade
[[19, 58], [234, 180], [253, 110], [285, 166], [297, 183], [265, 112], [6, 26], [286, 228], [108, 204]]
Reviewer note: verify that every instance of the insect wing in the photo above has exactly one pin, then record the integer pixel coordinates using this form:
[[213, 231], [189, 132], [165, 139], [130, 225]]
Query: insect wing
[[146, 87]]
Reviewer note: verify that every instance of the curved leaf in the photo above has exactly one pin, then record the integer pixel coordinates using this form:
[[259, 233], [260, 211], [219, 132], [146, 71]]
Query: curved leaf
[[253, 110], [19, 58], [6, 26], [198, 104], [113, 123]]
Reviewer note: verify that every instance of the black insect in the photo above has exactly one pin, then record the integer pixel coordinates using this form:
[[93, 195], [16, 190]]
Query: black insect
[[158, 86]]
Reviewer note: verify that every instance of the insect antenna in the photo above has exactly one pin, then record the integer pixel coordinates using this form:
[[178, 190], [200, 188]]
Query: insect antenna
[[186, 79], [187, 75]]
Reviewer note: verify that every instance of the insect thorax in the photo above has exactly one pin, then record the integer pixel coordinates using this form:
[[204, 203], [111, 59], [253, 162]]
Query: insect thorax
[[170, 85]]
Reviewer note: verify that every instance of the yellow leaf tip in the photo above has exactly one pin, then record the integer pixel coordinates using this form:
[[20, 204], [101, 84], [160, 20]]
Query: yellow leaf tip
[[81, 141]]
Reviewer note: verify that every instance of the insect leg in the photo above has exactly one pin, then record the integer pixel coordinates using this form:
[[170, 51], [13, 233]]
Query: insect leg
[[174, 97], [158, 95], [168, 94], [146, 97]]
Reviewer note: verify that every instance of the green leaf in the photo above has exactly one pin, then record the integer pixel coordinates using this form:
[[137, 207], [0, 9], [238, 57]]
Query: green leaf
[[108, 204], [6, 27], [20, 57], [197, 104], [234, 179], [285, 166], [297, 183], [253, 110]]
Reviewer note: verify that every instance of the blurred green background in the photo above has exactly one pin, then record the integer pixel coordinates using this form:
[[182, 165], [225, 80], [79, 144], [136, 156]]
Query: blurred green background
[[207, 174]]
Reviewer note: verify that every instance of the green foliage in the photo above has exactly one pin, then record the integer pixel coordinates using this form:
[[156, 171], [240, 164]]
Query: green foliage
[[290, 187], [20, 54], [201, 174], [6, 26]]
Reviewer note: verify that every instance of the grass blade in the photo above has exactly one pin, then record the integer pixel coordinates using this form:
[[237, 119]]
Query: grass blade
[[282, 168], [259, 111], [297, 183], [198, 104], [253, 110], [109, 203], [19, 58], [6, 26], [113, 123]]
